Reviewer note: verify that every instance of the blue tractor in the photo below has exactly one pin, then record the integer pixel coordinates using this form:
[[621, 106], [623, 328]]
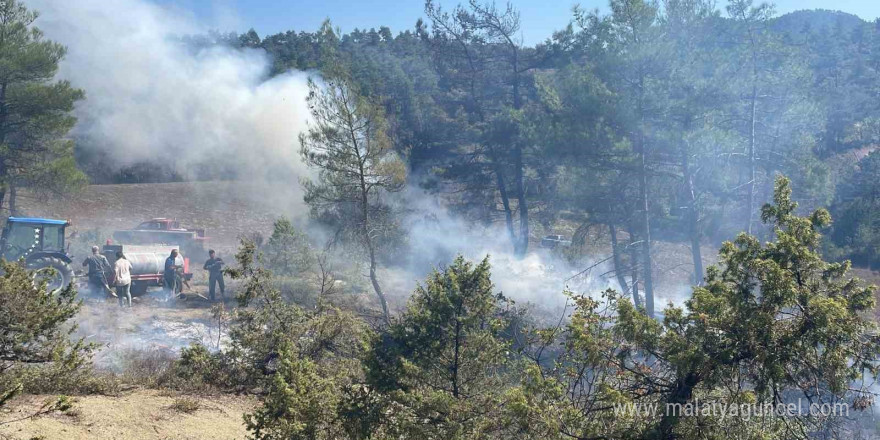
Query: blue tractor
[[40, 243]]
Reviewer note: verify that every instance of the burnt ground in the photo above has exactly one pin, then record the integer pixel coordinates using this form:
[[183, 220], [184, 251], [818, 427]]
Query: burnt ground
[[228, 211]]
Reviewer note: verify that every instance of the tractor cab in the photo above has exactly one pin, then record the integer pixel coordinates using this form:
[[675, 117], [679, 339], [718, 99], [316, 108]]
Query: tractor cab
[[29, 237], [40, 242]]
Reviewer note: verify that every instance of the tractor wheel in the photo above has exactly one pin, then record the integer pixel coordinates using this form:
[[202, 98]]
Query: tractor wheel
[[54, 271]]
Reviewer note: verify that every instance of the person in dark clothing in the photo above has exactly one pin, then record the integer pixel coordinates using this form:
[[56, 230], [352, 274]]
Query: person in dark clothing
[[170, 275], [214, 266], [98, 267]]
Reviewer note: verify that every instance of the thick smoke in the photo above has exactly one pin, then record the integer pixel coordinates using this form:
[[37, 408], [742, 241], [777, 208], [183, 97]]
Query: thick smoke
[[152, 98], [435, 237]]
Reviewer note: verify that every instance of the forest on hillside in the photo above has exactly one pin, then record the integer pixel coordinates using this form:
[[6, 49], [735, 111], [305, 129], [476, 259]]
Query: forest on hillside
[[660, 120], [669, 121]]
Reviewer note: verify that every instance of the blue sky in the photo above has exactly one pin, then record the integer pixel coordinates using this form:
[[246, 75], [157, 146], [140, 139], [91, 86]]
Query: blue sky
[[540, 17]]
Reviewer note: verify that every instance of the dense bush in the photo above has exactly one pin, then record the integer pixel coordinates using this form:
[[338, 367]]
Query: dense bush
[[288, 251], [445, 360], [772, 322], [36, 350]]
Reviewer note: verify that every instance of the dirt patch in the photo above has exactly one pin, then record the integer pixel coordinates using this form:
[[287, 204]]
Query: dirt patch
[[136, 415]]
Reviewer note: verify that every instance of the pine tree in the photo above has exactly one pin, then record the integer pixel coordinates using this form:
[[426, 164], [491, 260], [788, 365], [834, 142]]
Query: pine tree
[[36, 329], [445, 360], [347, 142], [35, 111], [773, 322]]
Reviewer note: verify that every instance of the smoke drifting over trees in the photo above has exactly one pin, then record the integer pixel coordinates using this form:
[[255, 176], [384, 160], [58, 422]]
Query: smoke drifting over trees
[[155, 97], [633, 159], [657, 122]]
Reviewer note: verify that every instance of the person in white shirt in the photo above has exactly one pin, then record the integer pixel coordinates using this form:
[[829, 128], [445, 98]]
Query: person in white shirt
[[123, 280]]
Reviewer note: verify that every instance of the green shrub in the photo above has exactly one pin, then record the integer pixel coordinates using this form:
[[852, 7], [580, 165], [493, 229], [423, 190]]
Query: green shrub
[[52, 379], [36, 350], [198, 369], [288, 252], [149, 368]]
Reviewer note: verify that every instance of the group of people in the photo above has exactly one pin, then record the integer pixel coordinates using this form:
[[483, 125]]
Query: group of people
[[98, 267]]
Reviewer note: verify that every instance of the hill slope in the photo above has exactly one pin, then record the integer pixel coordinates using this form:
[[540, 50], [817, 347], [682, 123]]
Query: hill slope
[[817, 20], [226, 210]]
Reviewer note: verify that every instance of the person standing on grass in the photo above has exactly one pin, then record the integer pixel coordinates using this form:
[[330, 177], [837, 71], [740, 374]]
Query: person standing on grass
[[214, 266], [170, 274], [97, 265], [123, 279]]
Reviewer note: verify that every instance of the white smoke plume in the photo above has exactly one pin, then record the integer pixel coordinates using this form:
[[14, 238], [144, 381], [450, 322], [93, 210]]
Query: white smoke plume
[[150, 97], [435, 237]]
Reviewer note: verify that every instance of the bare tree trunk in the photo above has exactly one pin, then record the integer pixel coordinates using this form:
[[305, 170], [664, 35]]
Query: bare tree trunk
[[521, 203], [3, 186], [750, 205], [634, 273], [505, 200], [12, 198], [646, 232], [692, 218], [618, 264], [518, 164], [375, 281], [368, 239], [644, 202]]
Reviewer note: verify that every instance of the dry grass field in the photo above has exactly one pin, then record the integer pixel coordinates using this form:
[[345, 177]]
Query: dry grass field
[[226, 210], [133, 415]]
